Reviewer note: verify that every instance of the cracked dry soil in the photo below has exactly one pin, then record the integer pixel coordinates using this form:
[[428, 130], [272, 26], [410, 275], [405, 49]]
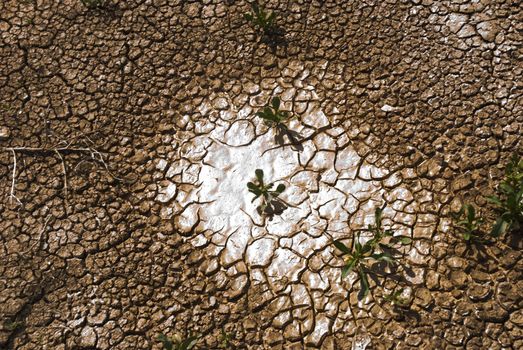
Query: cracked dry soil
[[414, 103]]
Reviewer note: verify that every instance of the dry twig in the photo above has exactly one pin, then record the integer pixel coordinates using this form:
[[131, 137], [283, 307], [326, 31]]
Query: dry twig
[[60, 150]]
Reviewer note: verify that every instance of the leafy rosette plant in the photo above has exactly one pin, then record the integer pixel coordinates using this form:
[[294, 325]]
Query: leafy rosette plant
[[178, 343], [510, 201], [272, 115], [270, 204], [469, 224], [260, 18], [358, 257]]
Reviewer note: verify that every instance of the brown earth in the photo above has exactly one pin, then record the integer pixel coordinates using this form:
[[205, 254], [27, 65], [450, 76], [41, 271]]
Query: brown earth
[[93, 255]]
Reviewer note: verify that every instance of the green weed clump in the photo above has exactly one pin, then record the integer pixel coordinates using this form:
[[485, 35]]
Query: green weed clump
[[272, 115], [396, 298], [178, 343], [469, 224], [225, 339], [271, 204], [509, 203], [358, 257], [260, 18]]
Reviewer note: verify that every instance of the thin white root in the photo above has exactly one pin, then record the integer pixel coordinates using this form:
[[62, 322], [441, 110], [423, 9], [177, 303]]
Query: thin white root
[[13, 183], [64, 148], [65, 172], [44, 226]]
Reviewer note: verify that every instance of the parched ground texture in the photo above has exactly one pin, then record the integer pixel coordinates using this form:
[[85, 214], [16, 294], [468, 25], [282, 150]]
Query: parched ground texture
[[132, 218]]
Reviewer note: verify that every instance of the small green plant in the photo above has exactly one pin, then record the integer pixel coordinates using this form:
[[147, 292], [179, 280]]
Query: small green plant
[[468, 223], [272, 115], [359, 256], [178, 343], [93, 4], [271, 204], [261, 19], [13, 325], [510, 201], [225, 339], [396, 299]]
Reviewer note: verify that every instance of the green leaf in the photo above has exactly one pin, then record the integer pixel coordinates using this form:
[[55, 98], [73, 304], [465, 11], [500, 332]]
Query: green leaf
[[167, 343], [364, 282], [276, 103], [499, 227], [471, 213], [338, 244], [189, 343], [350, 265], [345, 271], [494, 199], [388, 233], [378, 213], [506, 188], [383, 257], [248, 17], [404, 240], [357, 244], [280, 188], [270, 20], [367, 247], [259, 175]]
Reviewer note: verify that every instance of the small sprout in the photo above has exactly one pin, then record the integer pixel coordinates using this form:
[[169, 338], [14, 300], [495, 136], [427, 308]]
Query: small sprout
[[225, 339], [178, 343], [468, 223], [510, 201], [14, 325], [271, 204], [357, 257], [396, 298], [93, 4], [261, 19], [272, 115]]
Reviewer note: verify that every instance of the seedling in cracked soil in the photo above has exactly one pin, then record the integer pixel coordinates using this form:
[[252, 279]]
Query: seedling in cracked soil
[[225, 339], [396, 299], [358, 257], [510, 201], [178, 343], [469, 224], [271, 204], [272, 115], [262, 19]]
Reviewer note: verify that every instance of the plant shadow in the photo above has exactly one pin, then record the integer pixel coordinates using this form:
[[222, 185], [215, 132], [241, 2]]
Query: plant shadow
[[274, 38], [295, 139], [515, 239], [272, 208]]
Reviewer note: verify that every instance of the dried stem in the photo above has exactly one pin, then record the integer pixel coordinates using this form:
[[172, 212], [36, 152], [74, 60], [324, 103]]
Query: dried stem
[[59, 150], [44, 226], [13, 183], [65, 172]]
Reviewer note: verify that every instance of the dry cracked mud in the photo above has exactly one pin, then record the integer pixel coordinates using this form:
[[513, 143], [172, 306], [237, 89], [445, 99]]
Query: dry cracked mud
[[128, 134]]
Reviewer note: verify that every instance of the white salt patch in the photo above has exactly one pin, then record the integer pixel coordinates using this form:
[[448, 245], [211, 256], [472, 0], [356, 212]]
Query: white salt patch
[[161, 165], [167, 193], [260, 252], [323, 203], [387, 108]]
